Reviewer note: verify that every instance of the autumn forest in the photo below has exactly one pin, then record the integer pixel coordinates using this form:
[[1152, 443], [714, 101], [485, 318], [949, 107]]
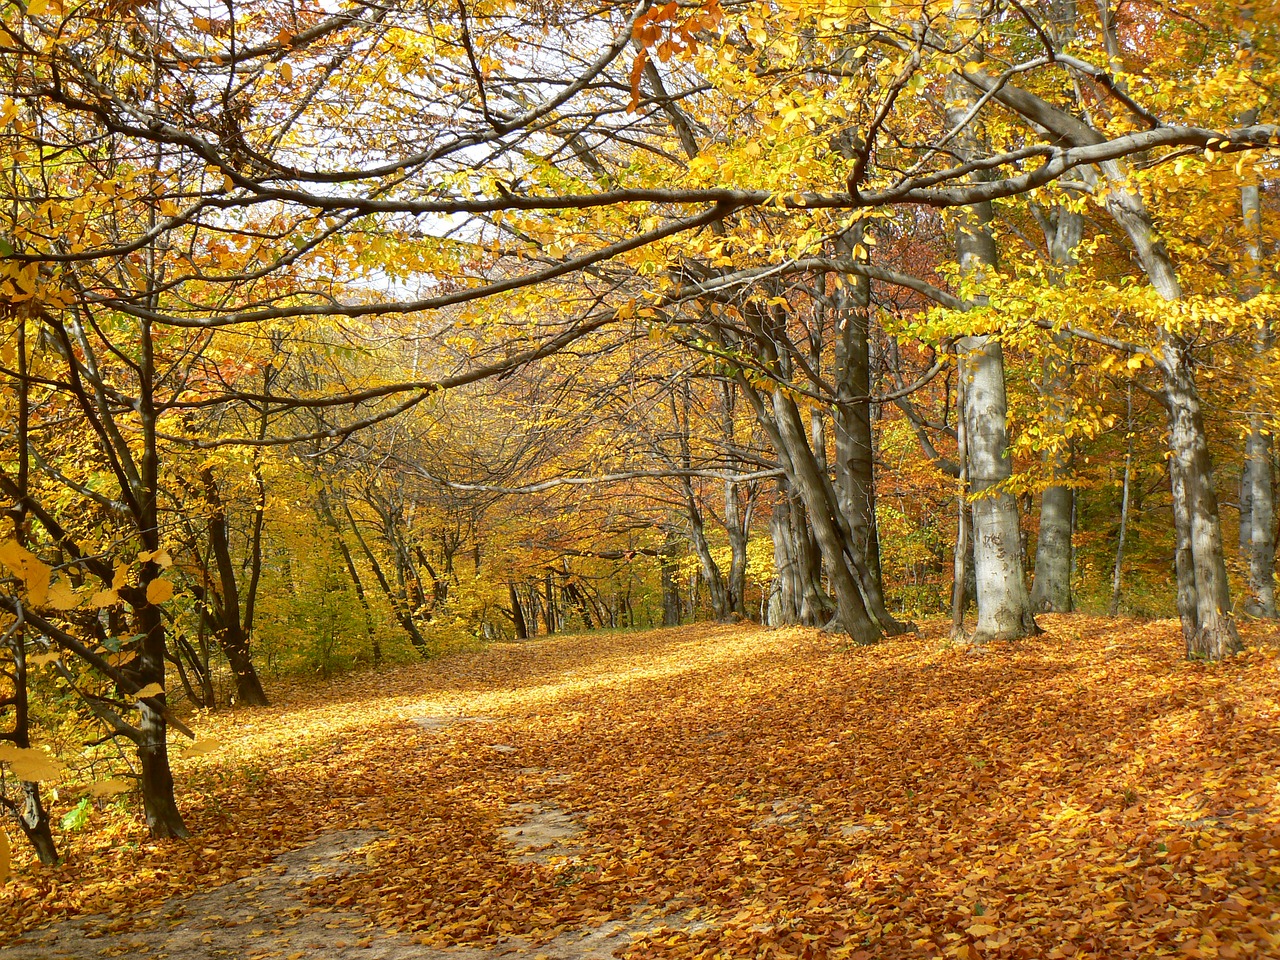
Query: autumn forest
[[717, 478]]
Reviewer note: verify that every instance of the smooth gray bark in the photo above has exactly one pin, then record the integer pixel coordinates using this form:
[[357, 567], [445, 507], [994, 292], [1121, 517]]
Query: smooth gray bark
[[784, 594], [1204, 596], [960, 597], [796, 596], [782, 422], [854, 442], [1117, 575], [1257, 482], [1051, 585], [1004, 606]]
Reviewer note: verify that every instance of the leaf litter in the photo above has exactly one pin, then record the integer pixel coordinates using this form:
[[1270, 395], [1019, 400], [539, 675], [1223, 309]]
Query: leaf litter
[[714, 791]]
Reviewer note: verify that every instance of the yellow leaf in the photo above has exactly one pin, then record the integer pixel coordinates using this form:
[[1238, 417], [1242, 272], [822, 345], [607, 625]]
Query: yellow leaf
[[105, 598], [31, 765], [199, 748], [981, 930], [29, 568], [121, 577], [160, 557], [286, 73], [36, 8], [108, 788], [150, 690], [62, 597], [158, 591], [40, 659]]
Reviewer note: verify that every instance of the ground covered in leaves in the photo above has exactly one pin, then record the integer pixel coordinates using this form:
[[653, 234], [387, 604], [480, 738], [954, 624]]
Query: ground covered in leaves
[[714, 792]]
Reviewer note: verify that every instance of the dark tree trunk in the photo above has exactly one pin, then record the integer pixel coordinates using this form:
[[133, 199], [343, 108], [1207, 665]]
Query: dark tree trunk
[[231, 634], [854, 443], [30, 811], [159, 802], [402, 614], [517, 613], [1117, 575], [551, 613], [667, 560]]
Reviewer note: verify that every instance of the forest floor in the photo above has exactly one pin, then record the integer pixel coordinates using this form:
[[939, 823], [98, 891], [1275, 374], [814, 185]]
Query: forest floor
[[712, 791]]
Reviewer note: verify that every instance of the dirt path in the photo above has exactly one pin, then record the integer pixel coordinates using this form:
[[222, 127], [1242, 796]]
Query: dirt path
[[266, 915], [274, 911]]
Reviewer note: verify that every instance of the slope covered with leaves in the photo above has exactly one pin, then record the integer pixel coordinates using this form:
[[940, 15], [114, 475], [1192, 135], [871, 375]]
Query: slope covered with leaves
[[1085, 794]]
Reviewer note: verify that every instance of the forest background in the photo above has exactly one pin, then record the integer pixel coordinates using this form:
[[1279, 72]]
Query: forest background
[[343, 334]]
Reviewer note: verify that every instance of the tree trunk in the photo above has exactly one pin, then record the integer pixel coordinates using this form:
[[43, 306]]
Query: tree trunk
[[1257, 523], [961, 596], [667, 561], [1203, 591], [816, 605], [1051, 585], [517, 613], [532, 610], [1004, 606], [737, 532], [160, 806], [784, 425], [711, 574], [1200, 561], [30, 811], [851, 610], [158, 800], [855, 456], [1118, 573], [681, 404], [402, 614], [1257, 484], [784, 601], [231, 635], [552, 617]]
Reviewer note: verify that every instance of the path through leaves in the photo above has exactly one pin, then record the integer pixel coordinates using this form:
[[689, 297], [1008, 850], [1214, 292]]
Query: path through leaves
[[716, 792]]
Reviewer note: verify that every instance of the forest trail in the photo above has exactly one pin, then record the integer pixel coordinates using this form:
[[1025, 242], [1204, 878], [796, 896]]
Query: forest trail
[[716, 791]]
